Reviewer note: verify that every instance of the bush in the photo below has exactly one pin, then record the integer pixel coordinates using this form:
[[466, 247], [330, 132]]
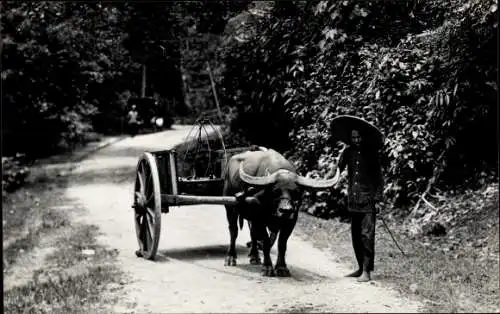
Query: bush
[[14, 173], [428, 83]]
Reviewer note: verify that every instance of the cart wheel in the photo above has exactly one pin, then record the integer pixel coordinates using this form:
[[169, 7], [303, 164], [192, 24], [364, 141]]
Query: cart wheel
[[147, 206]]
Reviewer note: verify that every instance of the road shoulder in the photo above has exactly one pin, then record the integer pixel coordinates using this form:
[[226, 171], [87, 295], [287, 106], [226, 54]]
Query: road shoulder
[[50, 262]]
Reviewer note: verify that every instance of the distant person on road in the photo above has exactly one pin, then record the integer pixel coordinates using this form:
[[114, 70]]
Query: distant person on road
[[133, 121]]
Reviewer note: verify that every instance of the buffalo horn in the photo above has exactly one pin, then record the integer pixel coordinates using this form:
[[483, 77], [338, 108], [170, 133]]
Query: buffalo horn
[[318, 184], [265, 180]]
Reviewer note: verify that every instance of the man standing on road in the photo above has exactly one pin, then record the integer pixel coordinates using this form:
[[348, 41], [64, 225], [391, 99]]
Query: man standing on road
[[133, 121], [365, 189]]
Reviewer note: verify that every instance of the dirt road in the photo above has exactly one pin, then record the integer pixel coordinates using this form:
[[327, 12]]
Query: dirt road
[[189, 274]]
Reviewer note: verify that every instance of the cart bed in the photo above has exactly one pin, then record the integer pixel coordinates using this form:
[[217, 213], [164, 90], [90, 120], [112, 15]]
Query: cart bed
[[176, 176]]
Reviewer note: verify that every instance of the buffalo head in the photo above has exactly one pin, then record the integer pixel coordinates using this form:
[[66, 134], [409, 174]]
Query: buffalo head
[[284, 183]]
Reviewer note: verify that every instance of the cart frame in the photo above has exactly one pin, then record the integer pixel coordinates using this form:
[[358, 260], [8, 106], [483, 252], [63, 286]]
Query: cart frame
[[159, 186]]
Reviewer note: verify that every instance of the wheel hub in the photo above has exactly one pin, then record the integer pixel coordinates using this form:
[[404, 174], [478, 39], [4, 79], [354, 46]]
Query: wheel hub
[[140, 201]]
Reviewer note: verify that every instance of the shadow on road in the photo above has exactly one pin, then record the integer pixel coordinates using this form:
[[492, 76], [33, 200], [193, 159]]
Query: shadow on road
[[297, 273], [203, 252], [124, 151], [123, 174], [219, 252], [305, 275]]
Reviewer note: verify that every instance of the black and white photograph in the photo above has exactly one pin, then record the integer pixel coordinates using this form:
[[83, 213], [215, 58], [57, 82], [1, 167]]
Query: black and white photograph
[[238, 156]]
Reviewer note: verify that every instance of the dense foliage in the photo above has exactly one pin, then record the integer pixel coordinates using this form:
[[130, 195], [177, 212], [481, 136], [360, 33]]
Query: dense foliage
[[423, 71], [14, 173], [55, 76], [69, 68]]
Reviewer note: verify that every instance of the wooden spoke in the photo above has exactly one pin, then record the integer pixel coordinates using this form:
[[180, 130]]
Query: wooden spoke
[[140, 236], [149, 231], [142, 178], [150, 212], [149, 187], [150, 200]]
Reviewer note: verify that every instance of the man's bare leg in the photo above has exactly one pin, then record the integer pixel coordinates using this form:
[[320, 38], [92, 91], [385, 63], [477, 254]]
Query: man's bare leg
[[365, 277]]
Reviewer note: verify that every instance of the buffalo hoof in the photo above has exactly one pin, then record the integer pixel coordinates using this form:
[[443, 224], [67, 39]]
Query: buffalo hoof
[[230, 261], [255, 260], [282, 271], [267, 271]]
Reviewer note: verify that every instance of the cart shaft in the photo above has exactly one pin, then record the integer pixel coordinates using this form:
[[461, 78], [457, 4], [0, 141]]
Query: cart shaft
[[177, 200]]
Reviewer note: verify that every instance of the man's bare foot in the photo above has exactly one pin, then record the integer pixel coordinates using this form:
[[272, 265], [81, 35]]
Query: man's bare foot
[[357, 273], [365, 277]]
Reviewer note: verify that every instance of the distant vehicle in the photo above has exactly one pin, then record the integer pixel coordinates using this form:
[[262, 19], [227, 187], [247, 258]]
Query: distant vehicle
[[151, 112]]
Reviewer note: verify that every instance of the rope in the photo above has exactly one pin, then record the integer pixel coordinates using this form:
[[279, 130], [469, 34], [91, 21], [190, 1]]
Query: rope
[[390, 233]]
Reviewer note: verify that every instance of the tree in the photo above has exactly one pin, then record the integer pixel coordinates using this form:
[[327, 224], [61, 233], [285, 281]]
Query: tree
[[164, 37], [56, 57]]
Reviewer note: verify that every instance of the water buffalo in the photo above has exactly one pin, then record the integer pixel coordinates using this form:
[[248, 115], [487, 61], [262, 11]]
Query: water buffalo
[[279, 190]]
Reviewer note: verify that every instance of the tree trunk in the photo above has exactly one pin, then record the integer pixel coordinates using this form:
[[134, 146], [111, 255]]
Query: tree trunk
[[143, 86], [185, 86]]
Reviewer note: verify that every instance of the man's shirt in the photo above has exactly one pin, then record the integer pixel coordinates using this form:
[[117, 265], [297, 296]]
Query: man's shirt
[[132, 116], [365, 181]]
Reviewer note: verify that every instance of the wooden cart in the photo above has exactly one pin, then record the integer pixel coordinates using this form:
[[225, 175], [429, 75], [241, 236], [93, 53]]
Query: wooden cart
[[160, 183]]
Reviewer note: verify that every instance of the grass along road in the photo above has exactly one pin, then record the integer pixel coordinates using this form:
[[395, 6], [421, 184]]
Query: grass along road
[[52, 264], [447, 273]]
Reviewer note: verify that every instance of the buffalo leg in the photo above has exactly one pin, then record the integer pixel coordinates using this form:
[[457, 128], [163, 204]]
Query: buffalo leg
[[254, 251], [232, 219], [286, 230], [267, 266], [272, 238]]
